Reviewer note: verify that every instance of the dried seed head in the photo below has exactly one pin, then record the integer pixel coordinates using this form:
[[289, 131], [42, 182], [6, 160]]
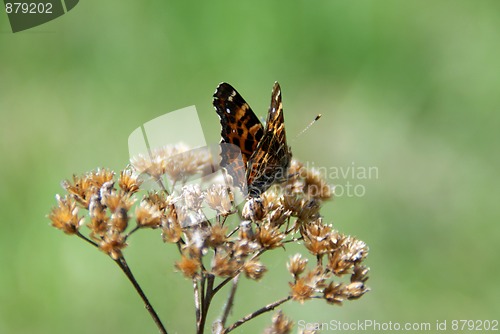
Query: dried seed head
[[159, 162], [301, 290], [217, 236], [147, 215], [254, 210], [196, 240], [243, 248], [117, 200], [293, 202], [297, 265], [188, 218], [281, 325], [159, 200], [348, 253], [65, 215], [355, 290], [316, 186], [171, 229], [224, 265], [296, 168], [316, 237], [271, 199], [246, 231], [336, 293], [193, 162], [98, 218], [129, 181], [119, 220], [153, 166], [269, 236], [356, 250], [100, 176], [254, 269], [317, 277], [112, 244], [192, 197], [81, 189], [278, 216], [309, 209], [360, 274], [220, 199], [188, 266]]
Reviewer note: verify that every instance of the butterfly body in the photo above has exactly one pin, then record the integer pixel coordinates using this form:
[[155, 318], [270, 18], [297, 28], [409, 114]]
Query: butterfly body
[[265, 155]]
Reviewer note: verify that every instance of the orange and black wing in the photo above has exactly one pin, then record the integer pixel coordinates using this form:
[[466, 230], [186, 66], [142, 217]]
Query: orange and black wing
[[270, 161], [240, 127]]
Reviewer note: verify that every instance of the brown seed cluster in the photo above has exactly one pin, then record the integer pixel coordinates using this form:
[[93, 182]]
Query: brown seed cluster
[[107, 208], [281, 325], [215, 237]]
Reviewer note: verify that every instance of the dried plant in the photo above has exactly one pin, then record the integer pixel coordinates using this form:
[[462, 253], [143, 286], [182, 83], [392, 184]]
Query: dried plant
[[218, 251]]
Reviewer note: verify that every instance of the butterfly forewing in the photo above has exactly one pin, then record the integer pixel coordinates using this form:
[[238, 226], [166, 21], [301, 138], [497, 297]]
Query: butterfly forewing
[[271, 159], [240, 126], [265, 156]]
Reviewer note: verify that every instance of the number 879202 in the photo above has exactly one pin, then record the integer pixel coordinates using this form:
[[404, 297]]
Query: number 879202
[[28, 8]]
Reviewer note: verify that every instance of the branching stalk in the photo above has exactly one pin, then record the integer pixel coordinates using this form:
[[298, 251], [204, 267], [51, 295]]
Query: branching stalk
[[124, 267], [250, 316]]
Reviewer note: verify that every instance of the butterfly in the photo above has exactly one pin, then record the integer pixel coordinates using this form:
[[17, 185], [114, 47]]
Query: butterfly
[[260, 156]]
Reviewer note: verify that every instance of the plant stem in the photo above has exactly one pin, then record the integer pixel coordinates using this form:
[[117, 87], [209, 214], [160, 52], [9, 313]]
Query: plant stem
[[196, 291], [124, 267], [81, 236], [230, 301], [250, 316], [137, 227], [209, 293], [126, 270], [222, 284]]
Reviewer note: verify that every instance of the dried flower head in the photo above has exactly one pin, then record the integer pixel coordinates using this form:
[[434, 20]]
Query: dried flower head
[[177, 162], [112, 244], [171, 228], [220, 199], [281, 325], [129, 181], [225, 266], [65, 216], [254, 269], [269, 236], [301, 290], [188, 266], [218, 240], [297, 265], [155, 163], [217, 236], [148, 215]]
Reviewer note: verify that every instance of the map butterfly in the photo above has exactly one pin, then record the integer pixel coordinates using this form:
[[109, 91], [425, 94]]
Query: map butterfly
[[261, 156]]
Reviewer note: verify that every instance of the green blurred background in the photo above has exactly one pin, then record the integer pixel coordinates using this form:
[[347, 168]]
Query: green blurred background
[[409, 87]]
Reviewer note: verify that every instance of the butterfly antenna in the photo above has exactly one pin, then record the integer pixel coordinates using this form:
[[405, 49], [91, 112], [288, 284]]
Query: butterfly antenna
[[308, 126]]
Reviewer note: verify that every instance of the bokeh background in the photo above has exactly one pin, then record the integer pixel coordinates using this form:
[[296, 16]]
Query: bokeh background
[[409, 87]]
